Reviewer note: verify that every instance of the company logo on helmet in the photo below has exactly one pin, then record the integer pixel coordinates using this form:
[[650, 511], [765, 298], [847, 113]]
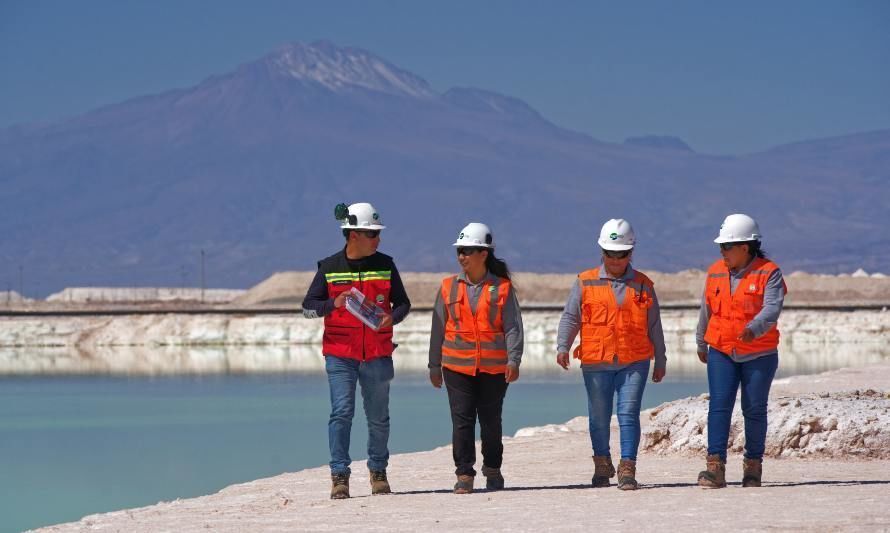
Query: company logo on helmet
[[376, 216], [461, 236], [614, 236]]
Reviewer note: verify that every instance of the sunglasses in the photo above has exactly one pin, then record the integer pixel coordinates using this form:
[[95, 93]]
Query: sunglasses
[[468, 251], [728, 245], [370, 233], [615, 254]]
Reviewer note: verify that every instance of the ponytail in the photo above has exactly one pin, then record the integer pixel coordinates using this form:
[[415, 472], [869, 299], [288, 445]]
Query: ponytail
[[754, 250], [497, 266]]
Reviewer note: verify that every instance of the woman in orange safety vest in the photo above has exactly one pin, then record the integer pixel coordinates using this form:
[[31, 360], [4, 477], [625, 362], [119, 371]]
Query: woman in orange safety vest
[[738, 339], [616, 311], [476, 348]]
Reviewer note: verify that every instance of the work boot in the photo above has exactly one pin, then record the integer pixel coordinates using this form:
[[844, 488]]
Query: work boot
[[339, 486], [379, 484], [493, 478], [464, 485], [602, 471], [627, 473], [752, 471], [714, 477]]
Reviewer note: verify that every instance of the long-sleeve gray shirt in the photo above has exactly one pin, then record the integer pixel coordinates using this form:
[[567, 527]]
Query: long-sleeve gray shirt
[[773, 300], [570, 322], [512, 320]]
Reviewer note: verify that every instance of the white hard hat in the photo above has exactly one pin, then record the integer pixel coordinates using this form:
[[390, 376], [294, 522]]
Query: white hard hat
[[738, 228], [358, 216], [618, 235], [475, 234]]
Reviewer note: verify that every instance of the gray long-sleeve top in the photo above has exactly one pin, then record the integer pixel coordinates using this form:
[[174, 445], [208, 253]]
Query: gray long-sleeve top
[[512, 319], [570, 322], [773, 300]]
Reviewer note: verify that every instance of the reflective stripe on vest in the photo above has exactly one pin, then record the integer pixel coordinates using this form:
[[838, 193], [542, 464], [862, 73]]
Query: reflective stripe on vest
[[474, 342], [731, 311], [610, 331]]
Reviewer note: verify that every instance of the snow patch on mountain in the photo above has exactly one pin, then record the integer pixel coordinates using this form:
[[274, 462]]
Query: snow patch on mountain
[[339, 68]]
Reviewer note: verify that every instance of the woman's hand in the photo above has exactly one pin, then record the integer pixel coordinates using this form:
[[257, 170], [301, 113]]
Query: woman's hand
[[385, 322], [703, 357], [747, 335], [562, 359], [436, 377], [658, 375], [512, 373]]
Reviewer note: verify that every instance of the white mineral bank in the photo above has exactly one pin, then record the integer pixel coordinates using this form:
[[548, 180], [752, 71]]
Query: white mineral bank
[[177, 343]]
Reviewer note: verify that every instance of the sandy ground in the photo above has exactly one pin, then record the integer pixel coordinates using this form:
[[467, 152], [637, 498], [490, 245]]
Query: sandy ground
[[548, 474]]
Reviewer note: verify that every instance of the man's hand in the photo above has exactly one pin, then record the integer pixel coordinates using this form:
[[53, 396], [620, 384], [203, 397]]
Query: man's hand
[[703, 357], [512, 373], [747, 335], [436, 377], [658, 375], [340, 300], [385, 322], [562, 359]]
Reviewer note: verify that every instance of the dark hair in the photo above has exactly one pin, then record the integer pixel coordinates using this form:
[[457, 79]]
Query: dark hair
[[346, 233], [754, 249], [497, 266]]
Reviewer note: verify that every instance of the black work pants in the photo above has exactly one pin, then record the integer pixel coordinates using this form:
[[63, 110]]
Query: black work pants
[[481, 395]]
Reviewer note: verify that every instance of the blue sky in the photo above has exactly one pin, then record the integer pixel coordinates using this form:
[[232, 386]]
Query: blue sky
[[726, 77]]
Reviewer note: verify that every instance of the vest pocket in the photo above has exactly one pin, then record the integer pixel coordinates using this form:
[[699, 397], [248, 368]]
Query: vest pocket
[[590, 350], [595, 314], [752, 301]]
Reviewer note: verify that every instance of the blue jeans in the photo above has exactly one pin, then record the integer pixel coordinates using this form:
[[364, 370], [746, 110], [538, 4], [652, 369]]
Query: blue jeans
[[374, 377], [724, 377], [602, 385]]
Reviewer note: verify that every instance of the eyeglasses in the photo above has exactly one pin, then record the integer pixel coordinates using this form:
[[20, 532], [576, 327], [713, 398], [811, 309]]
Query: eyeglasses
[[728, 245], [616, 254], [468, 251], [369, 233]]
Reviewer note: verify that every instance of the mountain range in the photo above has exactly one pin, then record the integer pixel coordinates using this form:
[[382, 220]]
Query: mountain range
[[247, 167]]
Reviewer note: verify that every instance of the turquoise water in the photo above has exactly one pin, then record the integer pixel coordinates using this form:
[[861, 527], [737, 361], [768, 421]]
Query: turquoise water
[[72, 446]]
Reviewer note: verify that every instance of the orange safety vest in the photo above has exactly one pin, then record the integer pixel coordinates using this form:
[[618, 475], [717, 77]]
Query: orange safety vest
[[474, 342], [609, 330], [731, 313]]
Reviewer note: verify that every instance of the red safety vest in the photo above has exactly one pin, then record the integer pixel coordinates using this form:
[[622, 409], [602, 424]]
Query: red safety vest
[[731, 313], [345, 335], [474, 342], [608, 329]]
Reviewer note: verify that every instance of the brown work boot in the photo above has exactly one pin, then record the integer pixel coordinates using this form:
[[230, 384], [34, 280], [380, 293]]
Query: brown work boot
[[627, 473], [752, 472], [603, 470], [379, 484], [339, 486], [464, 485], [714, 477], [493, 478]]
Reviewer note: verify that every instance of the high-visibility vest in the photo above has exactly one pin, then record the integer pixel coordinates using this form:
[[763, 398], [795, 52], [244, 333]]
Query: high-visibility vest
[[609, 330], [731, 313], [344, 334], [475, 342]]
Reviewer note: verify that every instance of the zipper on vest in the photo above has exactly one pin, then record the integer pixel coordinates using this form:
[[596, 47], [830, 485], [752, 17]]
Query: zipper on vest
[[361, 283]]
